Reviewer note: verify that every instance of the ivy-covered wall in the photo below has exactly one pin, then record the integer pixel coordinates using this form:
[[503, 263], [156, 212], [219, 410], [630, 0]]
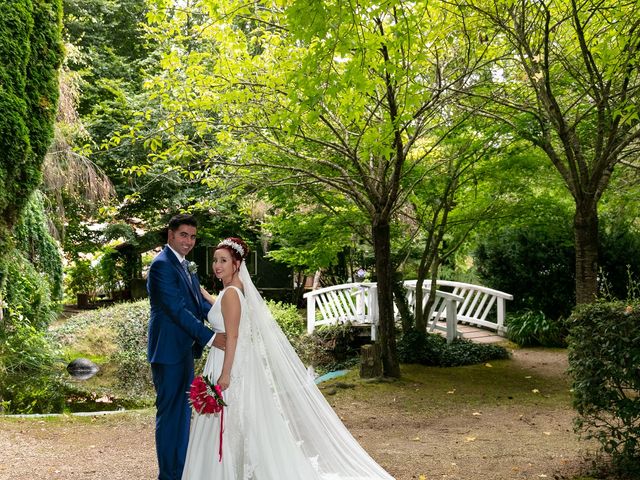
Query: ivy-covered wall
[[34, 241], [30, 57]]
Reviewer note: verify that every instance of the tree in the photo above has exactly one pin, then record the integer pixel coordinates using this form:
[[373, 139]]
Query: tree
[[564, 75], [451, 200], [317, 96], [31, 53]]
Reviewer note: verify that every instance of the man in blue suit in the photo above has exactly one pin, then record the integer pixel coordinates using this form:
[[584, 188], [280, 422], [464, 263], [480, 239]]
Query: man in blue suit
[[177, 335]]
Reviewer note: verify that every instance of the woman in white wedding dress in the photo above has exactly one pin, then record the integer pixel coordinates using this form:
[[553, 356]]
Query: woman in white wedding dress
[[277, 425]]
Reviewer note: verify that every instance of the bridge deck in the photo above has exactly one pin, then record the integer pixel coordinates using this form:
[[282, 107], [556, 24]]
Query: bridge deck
[[475, 334]]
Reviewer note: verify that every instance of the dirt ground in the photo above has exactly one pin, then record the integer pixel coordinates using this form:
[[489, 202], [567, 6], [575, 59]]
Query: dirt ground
[[498, 440]]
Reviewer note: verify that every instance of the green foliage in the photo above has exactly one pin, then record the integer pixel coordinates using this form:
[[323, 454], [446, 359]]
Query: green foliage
[[112, 270], [432, 349], [288, 317], [604, 355], [27, 292], [329, 348], [131, 322], [299, 244], [33, 238], [420, 347], [31, 52], [29, 383], [534, 263], [619, 259], [528, 328], [125, 326], [465, 352], [123, 342], [83, 277]]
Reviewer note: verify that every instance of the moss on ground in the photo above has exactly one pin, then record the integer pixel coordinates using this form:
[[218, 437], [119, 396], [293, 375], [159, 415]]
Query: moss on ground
[[429, 390]]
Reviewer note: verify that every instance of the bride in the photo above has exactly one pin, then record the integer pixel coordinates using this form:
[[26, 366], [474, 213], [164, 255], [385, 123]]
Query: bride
[[276, 425]]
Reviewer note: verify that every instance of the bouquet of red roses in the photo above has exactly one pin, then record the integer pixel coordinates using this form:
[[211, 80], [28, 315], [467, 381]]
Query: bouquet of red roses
[[205, 397]]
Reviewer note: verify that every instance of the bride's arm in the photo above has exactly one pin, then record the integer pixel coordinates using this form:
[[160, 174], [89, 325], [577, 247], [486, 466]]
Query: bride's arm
[[231, 314]]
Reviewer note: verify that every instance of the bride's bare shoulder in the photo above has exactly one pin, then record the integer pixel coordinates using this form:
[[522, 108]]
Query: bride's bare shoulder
[[233, 293]]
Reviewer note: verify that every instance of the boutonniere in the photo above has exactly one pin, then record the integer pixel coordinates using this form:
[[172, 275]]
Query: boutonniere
[[192, 267]]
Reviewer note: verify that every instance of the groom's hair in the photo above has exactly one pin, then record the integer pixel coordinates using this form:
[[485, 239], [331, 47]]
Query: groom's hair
[[182, 219]]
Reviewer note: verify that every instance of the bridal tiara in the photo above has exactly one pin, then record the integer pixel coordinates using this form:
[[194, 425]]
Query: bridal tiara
[[236, 246]]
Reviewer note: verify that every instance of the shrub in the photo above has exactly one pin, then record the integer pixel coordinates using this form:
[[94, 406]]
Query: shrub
[[529, 328], [619, 258], [534, 264], [420, 347], [604, 360], [125, 325], [432, 349], [28, 292], [122, 343], [288, 317], [329, 348], [38, 246], [29, 381], [131, 321], [465, 352]]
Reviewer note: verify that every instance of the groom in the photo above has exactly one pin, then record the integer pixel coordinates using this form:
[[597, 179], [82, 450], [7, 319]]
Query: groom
[[177, 335]]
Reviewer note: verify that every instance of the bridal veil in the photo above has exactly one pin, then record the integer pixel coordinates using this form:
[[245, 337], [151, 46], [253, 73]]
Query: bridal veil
[[281, 387]]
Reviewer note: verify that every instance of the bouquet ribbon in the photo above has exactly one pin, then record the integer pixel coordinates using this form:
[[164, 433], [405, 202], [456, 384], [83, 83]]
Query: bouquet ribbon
[[221, 432]]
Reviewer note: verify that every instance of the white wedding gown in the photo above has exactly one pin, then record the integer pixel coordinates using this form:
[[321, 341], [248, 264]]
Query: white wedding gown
[[277, 425]]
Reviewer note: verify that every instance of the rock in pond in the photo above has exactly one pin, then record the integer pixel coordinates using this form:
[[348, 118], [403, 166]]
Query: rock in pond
[[82, 368]]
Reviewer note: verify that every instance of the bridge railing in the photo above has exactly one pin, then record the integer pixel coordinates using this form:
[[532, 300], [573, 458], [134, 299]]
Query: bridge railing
[[358, 303], [444, 309], [351, 302], [480, 306]]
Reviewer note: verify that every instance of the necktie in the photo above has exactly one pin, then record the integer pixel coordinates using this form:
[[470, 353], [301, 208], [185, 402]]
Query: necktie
[[185, 267]]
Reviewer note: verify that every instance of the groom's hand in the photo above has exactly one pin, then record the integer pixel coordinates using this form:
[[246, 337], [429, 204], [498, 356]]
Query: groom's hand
[[220, 341]]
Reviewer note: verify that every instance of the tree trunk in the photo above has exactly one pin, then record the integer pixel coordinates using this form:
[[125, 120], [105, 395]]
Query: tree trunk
[[370, 365], [585, 225], [420, 323], [431, 300], [400, 299], [384, 272]]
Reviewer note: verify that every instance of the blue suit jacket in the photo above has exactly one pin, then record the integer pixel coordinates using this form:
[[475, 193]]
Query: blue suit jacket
[[176, 324]]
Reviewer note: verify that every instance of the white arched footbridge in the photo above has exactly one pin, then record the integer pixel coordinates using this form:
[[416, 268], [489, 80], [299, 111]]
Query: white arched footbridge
[[455, 303]]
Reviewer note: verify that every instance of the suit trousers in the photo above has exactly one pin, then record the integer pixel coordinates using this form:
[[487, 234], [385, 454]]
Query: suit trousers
[[173, 416]]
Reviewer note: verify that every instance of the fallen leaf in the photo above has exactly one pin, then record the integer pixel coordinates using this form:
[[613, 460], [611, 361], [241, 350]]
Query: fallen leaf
[[422, 477], [547, 433], [488, 365], [535, 390], [417, 439]]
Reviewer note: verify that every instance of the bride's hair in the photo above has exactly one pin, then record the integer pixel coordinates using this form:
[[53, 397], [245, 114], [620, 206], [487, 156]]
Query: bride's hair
[[236, 246]]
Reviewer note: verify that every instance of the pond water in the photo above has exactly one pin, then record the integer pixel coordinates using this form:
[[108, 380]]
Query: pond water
[[330, 376]]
